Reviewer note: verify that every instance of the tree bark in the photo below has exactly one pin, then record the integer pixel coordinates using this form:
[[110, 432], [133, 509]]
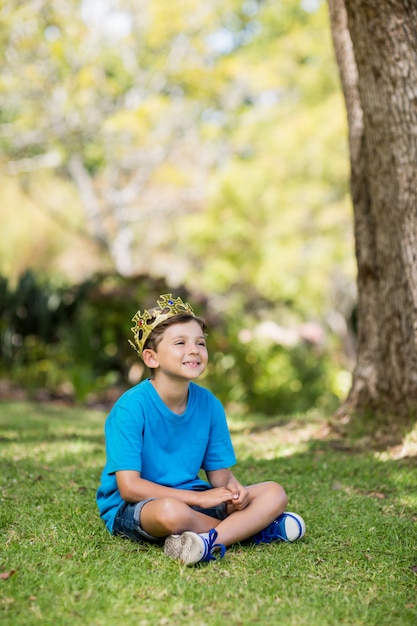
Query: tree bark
[[376, 49]]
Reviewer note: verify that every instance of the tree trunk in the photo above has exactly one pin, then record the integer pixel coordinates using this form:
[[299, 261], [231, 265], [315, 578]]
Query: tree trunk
[[376, 49]]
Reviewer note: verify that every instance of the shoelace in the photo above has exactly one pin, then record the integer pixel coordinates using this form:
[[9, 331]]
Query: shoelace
[[271, 533], [211, 545]]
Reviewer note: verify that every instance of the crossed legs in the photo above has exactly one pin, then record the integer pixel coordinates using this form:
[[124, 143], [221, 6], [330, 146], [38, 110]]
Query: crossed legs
[[168, 516]]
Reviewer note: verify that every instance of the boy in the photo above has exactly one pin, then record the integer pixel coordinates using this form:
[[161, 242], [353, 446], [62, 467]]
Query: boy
[[159, 435]]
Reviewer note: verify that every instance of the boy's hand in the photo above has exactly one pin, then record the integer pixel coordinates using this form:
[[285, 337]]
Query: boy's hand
[[213, 497], [240, 495]]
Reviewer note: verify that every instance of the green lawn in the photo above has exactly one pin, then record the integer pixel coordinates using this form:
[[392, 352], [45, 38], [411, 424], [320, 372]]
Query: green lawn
[[356, 565]]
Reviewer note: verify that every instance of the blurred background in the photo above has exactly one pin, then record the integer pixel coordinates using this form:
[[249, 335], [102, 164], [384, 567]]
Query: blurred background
[[191, 147]]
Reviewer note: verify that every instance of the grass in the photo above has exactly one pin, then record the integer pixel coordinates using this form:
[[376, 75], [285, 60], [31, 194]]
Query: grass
[[357, 564]]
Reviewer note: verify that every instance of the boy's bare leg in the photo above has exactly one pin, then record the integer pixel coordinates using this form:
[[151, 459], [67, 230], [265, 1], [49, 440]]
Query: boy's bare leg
[[268, 501], [168, 516]]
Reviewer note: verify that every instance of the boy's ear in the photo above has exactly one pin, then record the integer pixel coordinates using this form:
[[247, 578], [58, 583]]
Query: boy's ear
[[149, 357]]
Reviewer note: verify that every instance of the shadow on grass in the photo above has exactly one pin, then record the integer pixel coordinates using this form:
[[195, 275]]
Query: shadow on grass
[[48, 441]]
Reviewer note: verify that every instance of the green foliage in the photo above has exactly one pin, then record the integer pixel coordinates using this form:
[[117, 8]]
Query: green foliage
[[222, 131], [204, 146], [356, 565], [278, 218], [68, 340], [72, 340], [266, 377]]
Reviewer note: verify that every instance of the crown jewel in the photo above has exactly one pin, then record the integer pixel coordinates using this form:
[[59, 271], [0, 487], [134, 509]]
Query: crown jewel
[[168, 306]]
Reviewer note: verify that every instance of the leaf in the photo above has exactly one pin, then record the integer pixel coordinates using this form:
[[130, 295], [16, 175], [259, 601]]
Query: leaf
[[377, 494], [6, 575]]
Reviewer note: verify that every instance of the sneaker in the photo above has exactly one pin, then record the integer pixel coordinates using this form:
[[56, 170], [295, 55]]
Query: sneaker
[[191, 548], [287, 527]]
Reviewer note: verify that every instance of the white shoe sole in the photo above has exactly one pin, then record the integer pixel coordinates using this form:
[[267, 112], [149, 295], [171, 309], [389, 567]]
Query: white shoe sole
[[187, 548]]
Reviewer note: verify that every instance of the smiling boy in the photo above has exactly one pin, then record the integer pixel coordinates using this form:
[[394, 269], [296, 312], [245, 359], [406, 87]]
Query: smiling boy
[[161, 433]]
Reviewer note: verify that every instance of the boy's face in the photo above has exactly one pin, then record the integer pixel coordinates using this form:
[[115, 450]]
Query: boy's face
[[181, 353]]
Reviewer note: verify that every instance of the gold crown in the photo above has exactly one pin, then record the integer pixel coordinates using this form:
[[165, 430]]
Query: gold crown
[[168, 307]]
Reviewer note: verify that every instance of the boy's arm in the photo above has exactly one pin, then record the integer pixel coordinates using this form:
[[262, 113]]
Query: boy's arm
[[220, 477], [134, 488]]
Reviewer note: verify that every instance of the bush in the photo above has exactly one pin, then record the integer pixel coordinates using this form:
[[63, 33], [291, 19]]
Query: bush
[[69, 340], [268, 378], [73, 340]]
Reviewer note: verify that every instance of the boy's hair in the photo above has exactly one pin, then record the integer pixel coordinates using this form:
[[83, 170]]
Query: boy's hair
[[157, 333]]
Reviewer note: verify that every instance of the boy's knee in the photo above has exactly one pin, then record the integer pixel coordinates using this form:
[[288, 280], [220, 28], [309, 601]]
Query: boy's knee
[[277, 492], [169, 513]]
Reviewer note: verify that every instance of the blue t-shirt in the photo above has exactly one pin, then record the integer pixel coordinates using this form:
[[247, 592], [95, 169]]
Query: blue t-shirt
[[143, 434]]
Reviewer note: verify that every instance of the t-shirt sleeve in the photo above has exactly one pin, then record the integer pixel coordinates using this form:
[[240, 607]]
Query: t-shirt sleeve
[[219, 453], [124, 439]]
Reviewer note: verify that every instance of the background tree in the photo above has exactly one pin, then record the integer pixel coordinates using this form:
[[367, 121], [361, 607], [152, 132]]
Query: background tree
[[201, 145], [113, 98], [146, 115], [375, 43]]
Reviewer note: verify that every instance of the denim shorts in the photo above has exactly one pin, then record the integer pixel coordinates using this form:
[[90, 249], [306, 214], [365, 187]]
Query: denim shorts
[[127, 520]]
